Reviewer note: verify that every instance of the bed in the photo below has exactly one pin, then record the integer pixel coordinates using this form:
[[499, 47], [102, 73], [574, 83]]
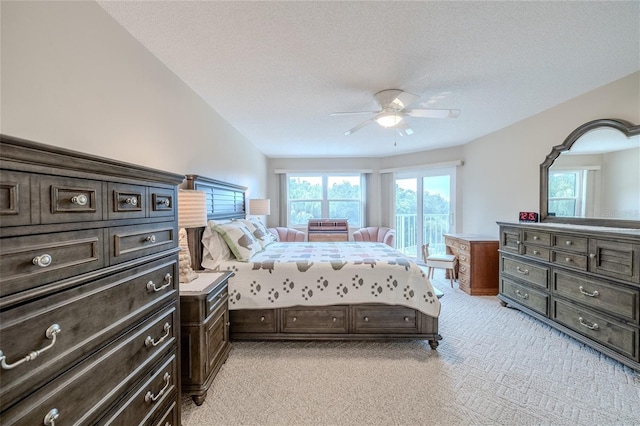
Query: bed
[[303, 291]]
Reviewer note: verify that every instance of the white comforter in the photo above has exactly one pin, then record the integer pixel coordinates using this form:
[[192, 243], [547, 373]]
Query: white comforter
[[317, 274]]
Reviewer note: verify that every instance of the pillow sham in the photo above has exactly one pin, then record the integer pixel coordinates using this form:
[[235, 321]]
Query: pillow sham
[[259, 230], [239, 239], [214, 248]]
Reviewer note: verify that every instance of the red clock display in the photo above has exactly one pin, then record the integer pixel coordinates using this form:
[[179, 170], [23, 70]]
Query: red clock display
[[528, 217]]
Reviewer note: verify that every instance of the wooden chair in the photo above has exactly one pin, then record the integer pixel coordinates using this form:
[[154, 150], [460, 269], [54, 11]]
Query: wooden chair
[[440, 261]]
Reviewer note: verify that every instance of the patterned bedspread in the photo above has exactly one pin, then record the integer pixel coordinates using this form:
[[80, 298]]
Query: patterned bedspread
[[329, 273]]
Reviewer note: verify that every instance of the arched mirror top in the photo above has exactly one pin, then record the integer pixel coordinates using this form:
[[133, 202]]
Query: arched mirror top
[[593, 177]]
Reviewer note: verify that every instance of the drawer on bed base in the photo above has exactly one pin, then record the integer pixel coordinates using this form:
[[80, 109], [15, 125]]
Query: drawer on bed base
[[390, 319], [253, 321], [313, 320]]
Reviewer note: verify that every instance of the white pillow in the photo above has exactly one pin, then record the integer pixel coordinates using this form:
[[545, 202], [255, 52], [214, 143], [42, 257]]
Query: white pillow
[[259, 231], [215, 249], [239, 239]]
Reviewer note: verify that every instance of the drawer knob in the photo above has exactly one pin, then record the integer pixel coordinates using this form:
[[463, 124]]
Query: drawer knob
[[151, 286], [150, 397], [593, 326], [51, 417], [228, 323], [592, 255], [150, 239], [522, 296], [522, 271], [568, 242], [149, 340], [261, 319], [79, 200], [366, 319], [43, 260], [132, 201], [518, 242], [406, 319], [536, 252], [295, 319], [535, 237], [594, 294], [334, 319], [165, 202], [51, 334], [567, 259]]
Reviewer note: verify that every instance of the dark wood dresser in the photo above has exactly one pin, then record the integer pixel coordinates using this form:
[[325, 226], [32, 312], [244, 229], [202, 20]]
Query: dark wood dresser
[[477, 262], [327, 230], [89, 313], [204, 322], [581, 280]]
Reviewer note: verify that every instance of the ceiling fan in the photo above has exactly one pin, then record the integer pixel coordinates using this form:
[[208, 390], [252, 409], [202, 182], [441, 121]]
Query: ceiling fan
[[393, 109]]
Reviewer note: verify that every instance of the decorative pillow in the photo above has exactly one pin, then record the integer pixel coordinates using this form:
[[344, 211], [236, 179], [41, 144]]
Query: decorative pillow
[[239, 239], [259, 231], [214, 248]]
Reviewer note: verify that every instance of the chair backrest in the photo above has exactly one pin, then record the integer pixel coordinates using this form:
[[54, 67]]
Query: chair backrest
[[288, 235], [378, 234], [425, 252]]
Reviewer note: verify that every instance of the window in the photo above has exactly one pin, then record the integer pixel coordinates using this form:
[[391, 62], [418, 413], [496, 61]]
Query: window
[[565, 193], [333, 196]]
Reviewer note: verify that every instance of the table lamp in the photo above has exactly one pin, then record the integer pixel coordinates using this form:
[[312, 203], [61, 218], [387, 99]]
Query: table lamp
[[192, 213], [260, 207]]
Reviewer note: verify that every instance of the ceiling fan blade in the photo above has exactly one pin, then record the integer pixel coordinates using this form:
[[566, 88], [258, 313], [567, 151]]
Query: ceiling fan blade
[[358, 127], [394, 98], [403, 129], [353, 112], [433, 113], [404, 99]]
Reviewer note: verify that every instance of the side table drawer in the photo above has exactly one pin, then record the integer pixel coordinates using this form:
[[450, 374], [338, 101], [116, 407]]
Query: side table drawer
[[616, 335], [311, 320]]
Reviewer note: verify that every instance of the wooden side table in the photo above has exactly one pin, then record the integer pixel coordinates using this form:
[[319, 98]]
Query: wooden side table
[[204, 328]]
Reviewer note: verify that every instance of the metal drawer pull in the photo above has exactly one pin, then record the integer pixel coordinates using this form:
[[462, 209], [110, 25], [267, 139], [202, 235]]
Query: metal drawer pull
[[150, 239], [165, 202], [522, 271], [592, 255], [535, 237], [152, 287], [132, 201], [518, 242], [568, 259], [295, 319], [594, 294], [594, 326], [523, 296], [51, 333], [261, 319], [149, 397], [406, 319], [366, 319], [568, 243], [79, 200], [43, 260], [149, 340], [51, 417], [536, 252]]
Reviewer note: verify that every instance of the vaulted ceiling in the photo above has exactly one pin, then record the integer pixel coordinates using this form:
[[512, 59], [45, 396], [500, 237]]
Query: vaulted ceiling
[[276, 70]]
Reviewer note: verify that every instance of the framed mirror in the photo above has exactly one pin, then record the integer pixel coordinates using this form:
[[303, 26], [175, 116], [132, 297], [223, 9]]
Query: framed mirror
[[593, 178]]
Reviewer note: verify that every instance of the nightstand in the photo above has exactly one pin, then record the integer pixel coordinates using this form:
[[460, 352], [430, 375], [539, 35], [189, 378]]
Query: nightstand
[[204, 329]]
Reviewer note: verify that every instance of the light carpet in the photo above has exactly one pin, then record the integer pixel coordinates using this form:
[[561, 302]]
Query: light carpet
[[495, 365]]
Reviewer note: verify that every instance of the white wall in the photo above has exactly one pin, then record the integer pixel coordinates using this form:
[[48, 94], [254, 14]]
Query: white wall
[[72, 77]]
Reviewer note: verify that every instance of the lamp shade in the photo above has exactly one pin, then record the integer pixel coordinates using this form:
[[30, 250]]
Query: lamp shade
[[192, 208], [388, 119], [259, 207]]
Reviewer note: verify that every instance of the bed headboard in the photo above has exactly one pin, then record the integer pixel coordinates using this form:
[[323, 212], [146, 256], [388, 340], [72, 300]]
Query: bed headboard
[[224, 201]]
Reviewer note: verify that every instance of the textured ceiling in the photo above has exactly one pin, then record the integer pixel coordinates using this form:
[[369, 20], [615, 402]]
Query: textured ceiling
[[275, 70]]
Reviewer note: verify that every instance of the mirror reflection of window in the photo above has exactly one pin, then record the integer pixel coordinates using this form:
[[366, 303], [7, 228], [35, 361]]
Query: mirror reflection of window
[[565, 193]]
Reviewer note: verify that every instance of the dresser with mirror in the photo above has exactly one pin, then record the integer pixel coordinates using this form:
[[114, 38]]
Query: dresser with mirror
[[578, 269]]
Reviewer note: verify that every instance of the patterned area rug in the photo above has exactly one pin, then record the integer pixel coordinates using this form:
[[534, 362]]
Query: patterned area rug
[[494, 365]]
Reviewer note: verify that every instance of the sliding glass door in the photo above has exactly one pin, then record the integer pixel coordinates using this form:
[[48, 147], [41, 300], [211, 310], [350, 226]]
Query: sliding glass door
[[424, 207]]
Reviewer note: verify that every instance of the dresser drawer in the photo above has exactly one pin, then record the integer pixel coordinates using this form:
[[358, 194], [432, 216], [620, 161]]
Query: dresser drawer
[[391, 319], [122, 300], [570, 243], [15, 198], [532, 236], [161, 202], [148, 400], [615, 259], [32, 261], [616, 300], [81, 393], [618, 336], [170, 416], [131, 242], [570, 260], [312, 320], [253, 321], [525, 271], [536, 252], [127, 201], [524, 295], [510, 239], [64, 199]]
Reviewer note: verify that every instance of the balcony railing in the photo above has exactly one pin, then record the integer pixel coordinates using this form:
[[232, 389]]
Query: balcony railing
[[433, 226]]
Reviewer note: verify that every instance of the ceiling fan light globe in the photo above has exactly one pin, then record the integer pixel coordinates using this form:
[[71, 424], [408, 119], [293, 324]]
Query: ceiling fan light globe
[[390, 119]]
